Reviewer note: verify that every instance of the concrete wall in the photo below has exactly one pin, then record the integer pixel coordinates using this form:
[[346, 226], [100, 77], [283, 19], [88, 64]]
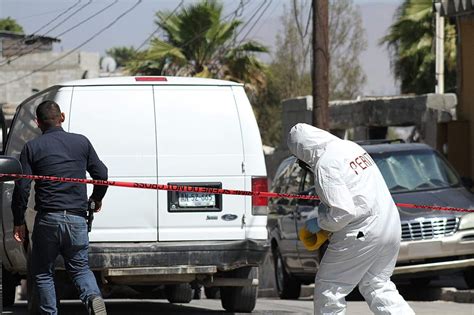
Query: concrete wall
[[370, 116], [72, 67]]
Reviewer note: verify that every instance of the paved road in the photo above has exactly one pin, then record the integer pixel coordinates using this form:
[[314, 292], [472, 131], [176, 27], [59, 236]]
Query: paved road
[[425, 301], [264, 306]]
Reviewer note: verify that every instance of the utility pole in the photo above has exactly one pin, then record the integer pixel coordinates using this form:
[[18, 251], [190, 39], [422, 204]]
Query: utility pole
[[439, 53], [320, 66]]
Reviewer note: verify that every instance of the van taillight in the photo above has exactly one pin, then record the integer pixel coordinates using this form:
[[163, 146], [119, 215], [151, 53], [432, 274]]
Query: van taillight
[[259, 204], [138, 79]]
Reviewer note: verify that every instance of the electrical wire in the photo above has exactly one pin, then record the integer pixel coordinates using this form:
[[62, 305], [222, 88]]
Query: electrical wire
[[68, 17], [251, 18], [158, 28], [48, 23], [223, 49], [31, 49], [277, 4], [204, 31], [77, 47], [57, 17], [256, 21], [21, 18]]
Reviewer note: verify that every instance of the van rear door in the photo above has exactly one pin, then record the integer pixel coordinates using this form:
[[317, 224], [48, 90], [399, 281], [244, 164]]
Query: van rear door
[[120, 123], [199, 143]]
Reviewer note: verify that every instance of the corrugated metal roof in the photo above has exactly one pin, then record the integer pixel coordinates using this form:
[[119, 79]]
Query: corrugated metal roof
[[7, 34], [454, 7]]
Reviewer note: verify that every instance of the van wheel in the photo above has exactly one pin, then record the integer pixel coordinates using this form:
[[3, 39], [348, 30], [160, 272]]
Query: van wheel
[[179, 293], [287, 286], [9, 283], [240, 299], [469, 277], [212, 293], [422, 282]]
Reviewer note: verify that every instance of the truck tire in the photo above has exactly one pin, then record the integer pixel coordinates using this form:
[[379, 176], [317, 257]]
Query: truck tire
[[179, 293], [9, 283], [212, 292], [288, 288], [240, 299]]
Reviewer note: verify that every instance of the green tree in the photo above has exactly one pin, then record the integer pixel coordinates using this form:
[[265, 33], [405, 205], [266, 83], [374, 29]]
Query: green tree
[[122, 54], [410, 41], [199, 42], [289, 74], [10, 25], [346, 43]]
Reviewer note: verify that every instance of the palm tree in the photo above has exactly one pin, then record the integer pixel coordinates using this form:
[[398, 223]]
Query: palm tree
[[199, 42], [411, 40]]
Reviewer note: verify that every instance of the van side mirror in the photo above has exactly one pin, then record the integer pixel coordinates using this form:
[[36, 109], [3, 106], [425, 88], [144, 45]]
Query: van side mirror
[[9, 165], [467, 182]]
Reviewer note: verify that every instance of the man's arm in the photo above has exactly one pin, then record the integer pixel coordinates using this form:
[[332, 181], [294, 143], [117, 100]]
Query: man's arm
[[340, 209], [99, 171], [21, 192]]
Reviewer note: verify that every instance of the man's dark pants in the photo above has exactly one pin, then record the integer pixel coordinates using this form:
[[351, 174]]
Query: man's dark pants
[[60, 233]]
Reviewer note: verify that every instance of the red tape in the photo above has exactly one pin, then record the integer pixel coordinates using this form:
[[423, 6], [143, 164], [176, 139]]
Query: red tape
[[208, 190]]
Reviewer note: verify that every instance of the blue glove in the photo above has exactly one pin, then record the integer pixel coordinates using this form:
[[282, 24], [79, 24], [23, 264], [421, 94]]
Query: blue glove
[[312, 225], [323, 209]]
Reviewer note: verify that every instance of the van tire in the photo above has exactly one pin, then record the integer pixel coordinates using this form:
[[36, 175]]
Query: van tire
[[422, 282], [9, 283], [469, 277], [179, 293], [240, 299], [288, 287]]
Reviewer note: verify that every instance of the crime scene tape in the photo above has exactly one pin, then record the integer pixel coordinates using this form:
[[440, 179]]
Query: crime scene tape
[[208, 190]]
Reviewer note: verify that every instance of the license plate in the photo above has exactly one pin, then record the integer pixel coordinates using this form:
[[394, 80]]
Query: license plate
[[195, 200]]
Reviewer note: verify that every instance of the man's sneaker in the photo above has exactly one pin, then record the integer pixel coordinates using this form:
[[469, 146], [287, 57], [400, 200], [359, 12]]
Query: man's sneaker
[[96, 305]]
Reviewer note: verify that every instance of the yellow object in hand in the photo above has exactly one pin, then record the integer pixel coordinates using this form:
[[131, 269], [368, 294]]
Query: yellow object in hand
[[312, 241]]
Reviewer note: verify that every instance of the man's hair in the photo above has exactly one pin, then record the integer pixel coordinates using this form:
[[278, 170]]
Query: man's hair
[[48, 113]]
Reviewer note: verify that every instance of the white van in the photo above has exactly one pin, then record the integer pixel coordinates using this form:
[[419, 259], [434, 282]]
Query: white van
[[166, 130]]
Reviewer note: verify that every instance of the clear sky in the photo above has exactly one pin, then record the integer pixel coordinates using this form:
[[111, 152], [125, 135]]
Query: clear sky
[[134, 28]]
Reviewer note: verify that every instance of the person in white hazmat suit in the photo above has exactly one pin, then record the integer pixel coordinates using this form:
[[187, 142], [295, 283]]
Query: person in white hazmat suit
[[357, 208]]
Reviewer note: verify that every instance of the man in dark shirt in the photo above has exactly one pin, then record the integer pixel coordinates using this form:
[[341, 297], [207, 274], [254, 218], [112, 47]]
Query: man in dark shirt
[[61, 220]]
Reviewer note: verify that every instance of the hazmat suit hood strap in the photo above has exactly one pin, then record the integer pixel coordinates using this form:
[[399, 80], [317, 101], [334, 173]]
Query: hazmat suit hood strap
[[308, 143]]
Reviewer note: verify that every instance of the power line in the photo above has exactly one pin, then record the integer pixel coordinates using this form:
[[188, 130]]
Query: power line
[[222, 50], [21, 18], [77, 47], [87, 19], [60, 34], [277, 4], [251, 18], [57, 17], [158, 28], [48, 23], [68, 17], [256, 21], [205, 30]]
